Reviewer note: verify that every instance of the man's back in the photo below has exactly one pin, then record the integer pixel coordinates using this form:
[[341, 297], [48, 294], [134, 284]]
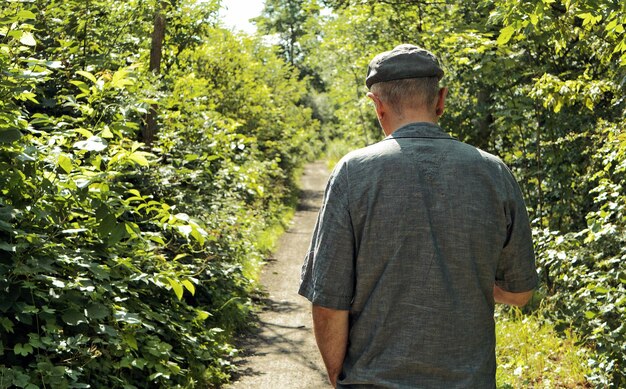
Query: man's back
[[418, 236], [420, 225]]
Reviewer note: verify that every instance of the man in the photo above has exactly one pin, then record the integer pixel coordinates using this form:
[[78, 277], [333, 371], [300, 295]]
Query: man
[[418, 236]]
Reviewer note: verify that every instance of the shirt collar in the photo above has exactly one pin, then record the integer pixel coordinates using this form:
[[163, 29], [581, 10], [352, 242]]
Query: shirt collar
[[420, 130]]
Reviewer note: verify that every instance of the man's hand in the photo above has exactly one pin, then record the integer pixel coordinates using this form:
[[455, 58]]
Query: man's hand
[[518, 299], [331, 334]]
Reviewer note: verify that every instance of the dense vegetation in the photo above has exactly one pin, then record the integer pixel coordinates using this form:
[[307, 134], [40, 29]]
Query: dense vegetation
[[126, 257], [143, 149]]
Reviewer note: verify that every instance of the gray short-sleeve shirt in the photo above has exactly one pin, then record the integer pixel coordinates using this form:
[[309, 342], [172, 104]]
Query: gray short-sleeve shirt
[[412, 235]]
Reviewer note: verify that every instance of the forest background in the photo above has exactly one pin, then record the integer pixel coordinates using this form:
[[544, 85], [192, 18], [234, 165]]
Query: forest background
[[148, 158]]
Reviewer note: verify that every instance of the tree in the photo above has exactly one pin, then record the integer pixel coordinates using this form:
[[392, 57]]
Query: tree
[[156, 53], [288, 19]]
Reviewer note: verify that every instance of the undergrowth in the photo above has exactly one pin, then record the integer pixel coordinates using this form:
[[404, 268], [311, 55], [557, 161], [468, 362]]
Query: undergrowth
[[531, 354]]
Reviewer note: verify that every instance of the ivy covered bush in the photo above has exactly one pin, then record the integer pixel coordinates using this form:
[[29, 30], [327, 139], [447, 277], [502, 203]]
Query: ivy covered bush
[[123, 264]]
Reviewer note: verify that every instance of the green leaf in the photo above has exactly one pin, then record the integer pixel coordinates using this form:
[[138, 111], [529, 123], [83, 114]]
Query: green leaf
[[120, 80], [202, 315], [601, 290], [174, 367], [10, 135], [7, 324], [21, 380], [189, 286], [589, 19], [97, 311], [28, 39], [177, 287], [65, 163], [87, 75], [26, 15], [157, 239], [131, 341], [73, 317], [139, 157], [107, 224], [8, 247], [505, 35], [198, 234], [107, 133], [22, 349], [95, 143], [8, 213], [5, 226], [558, 106], [84, 132], [130, 318], [118, 233], [84, 88]]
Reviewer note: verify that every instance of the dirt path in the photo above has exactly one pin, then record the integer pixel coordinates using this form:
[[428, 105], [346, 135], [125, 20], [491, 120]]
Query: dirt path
[[283, 354]]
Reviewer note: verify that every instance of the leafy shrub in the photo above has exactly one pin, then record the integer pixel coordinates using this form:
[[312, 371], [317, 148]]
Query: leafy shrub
[[530, 353], [123, 266], [585, 271]]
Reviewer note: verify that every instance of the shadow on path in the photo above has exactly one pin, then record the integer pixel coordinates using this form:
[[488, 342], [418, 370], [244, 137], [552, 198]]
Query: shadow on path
[[310, 200], [281, 352]]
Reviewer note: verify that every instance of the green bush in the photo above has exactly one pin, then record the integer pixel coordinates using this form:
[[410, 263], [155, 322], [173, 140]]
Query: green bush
[[121, 265], [585, 271]]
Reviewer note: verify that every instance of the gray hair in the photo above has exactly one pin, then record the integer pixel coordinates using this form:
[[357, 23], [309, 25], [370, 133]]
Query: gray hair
[[408, 93]]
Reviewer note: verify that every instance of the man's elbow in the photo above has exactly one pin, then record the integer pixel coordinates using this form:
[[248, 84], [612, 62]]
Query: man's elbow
[[522, 298], [323, 313], [518, 299]]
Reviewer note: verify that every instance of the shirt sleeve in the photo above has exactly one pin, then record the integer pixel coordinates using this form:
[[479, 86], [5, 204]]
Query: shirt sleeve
[[327, 277], [516, 271]]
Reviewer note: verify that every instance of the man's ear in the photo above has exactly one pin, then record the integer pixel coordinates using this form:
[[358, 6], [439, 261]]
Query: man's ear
[[378, 105], [441, 101]]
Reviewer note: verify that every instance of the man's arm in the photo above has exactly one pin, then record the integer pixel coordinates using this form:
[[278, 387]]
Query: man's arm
[[518, 299], [331, 334]]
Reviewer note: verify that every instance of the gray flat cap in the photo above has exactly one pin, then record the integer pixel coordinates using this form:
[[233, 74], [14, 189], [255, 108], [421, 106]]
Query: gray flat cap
[[404, 61]]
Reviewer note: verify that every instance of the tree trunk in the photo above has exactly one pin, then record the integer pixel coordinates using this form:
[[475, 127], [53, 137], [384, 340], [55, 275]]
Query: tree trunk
[[484, 120], [156, 52]]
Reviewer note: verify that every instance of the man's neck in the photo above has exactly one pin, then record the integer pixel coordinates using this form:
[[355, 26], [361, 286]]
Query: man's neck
[[402, 120]]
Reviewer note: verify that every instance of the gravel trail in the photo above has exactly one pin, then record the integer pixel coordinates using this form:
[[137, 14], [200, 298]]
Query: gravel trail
[[282, 353]]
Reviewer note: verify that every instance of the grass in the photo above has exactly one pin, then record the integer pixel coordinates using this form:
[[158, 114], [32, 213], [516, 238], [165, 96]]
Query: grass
[[530, 354], [336, 149], [266, 240]]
